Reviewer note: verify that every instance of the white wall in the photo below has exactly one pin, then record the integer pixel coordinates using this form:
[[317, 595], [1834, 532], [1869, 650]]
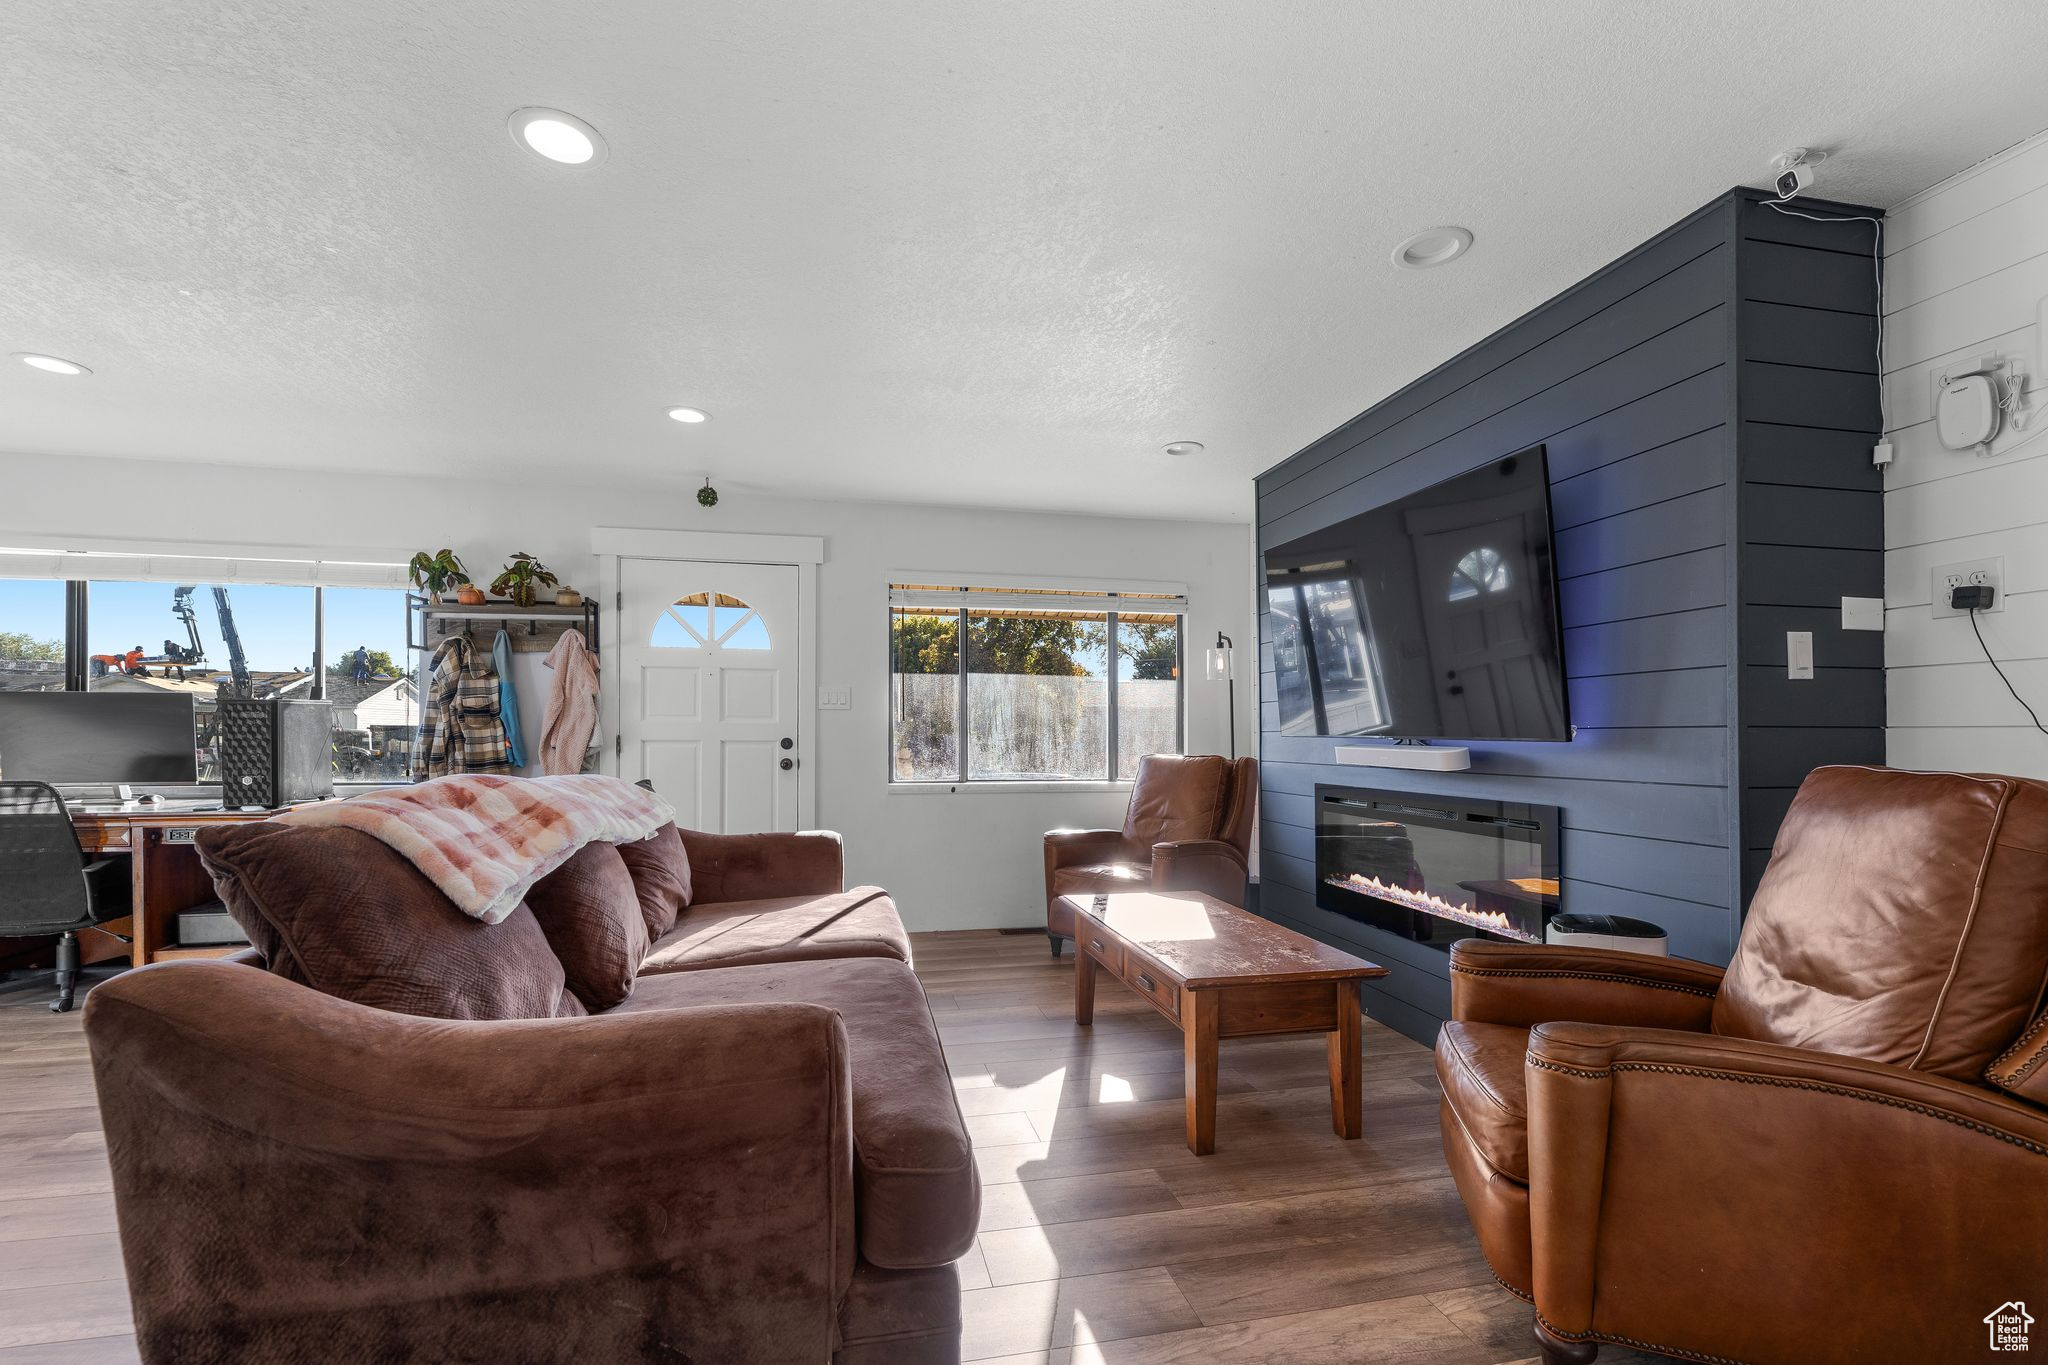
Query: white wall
[[953, 862], [1966, 269]]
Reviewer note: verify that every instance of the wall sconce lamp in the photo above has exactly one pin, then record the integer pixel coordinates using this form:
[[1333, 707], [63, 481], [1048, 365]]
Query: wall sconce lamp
[[1220, 671]]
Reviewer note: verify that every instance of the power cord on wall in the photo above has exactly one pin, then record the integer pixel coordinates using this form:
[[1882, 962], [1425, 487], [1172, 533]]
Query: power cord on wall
[[2001, 673]]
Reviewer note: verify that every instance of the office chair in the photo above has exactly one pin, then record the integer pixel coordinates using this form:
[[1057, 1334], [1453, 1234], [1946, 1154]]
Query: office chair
[[46, 886]]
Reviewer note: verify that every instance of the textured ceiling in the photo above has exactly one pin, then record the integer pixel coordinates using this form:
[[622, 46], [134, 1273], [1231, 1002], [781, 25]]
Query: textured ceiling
[[907, 249]]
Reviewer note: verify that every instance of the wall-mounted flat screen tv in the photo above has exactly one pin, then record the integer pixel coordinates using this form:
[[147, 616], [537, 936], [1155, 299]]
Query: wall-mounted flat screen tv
[[1431, 617]]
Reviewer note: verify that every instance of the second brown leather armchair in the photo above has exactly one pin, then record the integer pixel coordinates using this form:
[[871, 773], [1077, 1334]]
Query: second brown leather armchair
[[1797, 1161], [1189, 828]]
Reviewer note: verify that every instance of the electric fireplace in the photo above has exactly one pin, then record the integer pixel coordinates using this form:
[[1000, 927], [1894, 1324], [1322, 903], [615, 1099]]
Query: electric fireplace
[[1435, 869]]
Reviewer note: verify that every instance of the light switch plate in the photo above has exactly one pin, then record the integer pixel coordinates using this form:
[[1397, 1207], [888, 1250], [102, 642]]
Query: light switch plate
[[1989, 573], [1799, 654], [835, 699], [1863, 613]]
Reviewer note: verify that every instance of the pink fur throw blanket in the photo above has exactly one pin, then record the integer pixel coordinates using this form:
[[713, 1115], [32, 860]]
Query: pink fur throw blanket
[[484, 839]]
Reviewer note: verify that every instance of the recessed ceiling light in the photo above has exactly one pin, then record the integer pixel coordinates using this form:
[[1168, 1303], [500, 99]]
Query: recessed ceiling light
[[1435, 246], [50, 363], [689, 415], [558, 136], [1185, 448]]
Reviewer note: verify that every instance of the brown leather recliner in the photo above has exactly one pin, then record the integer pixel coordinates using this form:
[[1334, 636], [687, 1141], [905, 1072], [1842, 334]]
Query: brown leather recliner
[[1797, 1160], [1189, 828]]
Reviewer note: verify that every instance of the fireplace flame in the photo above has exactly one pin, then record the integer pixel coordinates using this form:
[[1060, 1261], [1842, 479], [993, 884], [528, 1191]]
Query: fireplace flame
[[1490, 920]]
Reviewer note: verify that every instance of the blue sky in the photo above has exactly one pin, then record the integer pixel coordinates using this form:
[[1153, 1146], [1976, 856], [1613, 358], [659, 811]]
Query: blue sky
[[276, 623]]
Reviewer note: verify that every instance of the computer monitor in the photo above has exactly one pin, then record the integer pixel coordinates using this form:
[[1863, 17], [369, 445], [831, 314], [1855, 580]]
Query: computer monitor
[[98, 738]]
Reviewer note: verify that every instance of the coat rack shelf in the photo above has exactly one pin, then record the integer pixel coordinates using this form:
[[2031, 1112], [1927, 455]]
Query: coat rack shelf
[[533, 629]]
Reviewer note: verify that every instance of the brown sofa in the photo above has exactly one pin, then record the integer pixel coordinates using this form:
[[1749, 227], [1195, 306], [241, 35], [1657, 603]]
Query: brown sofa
[[1835, 1151], [1188, 828], [685, 1103]]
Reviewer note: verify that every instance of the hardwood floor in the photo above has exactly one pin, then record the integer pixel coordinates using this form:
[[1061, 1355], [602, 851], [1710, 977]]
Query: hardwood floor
[[1103, 1242]]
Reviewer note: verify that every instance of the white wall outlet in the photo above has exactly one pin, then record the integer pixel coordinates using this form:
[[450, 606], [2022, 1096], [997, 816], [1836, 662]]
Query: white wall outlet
[[835, 699], [1970, 573], [1799, 654]]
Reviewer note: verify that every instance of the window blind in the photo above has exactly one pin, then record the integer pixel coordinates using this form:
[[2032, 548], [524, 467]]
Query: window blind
[[1017, 599], [145, 568]]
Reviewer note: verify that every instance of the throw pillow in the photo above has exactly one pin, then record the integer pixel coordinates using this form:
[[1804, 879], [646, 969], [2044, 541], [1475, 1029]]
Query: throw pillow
[[341, 912]]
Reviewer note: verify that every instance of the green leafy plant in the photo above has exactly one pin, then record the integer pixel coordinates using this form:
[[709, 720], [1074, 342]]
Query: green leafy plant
[[437, 572], [523, 579]]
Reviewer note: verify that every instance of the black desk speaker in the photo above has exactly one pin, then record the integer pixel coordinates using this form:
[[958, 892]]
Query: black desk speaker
[[275, 752]]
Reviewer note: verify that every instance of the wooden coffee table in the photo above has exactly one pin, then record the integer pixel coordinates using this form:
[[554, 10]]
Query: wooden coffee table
[[1220, 972]]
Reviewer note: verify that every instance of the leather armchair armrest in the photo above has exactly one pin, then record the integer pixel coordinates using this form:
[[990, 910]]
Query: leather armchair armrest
[[1662, 1162], [1068, 847], [298, 1177], [1209, 865], [1530, 984], [751, 867]]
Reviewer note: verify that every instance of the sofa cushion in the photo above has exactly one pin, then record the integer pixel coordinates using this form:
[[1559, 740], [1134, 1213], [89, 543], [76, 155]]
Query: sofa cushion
[[751, 867], [590, 913], [337, 910], [1903, 919], [1175, 797], [1480, 1069], [917, 1196], [661, 878], [857, 923]]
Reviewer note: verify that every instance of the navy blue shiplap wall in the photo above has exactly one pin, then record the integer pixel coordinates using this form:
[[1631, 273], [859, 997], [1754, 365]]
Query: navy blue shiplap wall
[[1645, 381]]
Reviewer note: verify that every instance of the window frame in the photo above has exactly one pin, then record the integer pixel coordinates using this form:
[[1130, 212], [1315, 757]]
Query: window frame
[[1113, 603], [113, 568]]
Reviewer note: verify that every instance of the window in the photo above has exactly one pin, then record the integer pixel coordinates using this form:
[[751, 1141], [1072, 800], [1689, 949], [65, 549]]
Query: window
[[709, 618], [31, 636], [1481, 570], [1024, 685], [202, 638], [371, 687]]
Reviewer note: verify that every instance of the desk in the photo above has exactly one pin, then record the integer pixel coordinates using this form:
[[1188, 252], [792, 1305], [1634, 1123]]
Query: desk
[[166, 877]]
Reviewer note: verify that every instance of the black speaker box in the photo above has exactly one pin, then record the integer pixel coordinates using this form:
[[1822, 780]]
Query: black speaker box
[[275, 752]]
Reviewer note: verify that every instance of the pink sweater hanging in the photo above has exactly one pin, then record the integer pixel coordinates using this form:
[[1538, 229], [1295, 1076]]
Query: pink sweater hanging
[[571, 715]]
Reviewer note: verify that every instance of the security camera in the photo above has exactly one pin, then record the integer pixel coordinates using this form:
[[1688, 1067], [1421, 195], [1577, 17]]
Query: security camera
[[1793, 172]]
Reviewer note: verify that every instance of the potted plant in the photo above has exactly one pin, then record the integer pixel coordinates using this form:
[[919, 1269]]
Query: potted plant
[[522, 580], [438, 573]]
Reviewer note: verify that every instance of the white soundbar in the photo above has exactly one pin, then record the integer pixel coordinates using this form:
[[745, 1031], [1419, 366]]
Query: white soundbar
[[1441, 758]]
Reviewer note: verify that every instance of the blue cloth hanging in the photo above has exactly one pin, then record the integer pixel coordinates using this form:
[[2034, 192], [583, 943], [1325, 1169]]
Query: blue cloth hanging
[[508, 698]]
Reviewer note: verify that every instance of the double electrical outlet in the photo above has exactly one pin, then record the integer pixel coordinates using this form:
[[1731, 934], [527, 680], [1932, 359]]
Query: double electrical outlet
[[1970, 573]]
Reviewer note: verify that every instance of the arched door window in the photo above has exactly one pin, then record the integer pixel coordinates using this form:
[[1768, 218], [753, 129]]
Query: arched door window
[[1481, 570], [704, 619]]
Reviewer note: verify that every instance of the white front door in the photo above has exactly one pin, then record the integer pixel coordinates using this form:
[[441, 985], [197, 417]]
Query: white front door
[[708, 706]]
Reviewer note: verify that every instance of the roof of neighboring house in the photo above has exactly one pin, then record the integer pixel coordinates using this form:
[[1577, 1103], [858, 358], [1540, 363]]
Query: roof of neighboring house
[[268, 683], [346, 691]]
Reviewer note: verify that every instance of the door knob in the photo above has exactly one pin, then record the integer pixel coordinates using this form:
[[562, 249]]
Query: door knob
[[788, 763]]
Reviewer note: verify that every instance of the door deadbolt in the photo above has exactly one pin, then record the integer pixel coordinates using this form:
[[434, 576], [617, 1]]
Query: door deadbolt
[[788, 743]]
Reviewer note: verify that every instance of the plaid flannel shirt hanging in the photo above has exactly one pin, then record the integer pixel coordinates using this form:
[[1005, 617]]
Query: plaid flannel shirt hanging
[[462, 730]]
